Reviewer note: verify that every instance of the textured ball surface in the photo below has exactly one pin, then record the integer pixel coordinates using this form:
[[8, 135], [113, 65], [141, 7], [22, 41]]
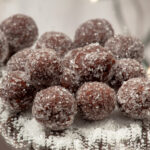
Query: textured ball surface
[[92, 31], [134, 98], [43, 67], [58, 41], [125, 69], [18, 60], [54, 107], [16, 92], [20, 30], [126, 47], [4, 48], [95, 100], [90, 63]]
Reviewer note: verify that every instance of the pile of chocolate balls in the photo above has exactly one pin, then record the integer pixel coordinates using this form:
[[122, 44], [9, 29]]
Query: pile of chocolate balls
[[59, 78]]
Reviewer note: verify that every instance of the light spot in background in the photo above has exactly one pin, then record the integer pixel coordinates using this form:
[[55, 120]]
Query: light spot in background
[[94, 1]]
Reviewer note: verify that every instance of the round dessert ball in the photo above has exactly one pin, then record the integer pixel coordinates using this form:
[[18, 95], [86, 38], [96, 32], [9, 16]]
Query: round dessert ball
[[125, 69], [126, 47], [16, 92], [95, 100], [43, 67], [58, 41], [134, 98], [92, 31], [90, 63], [21, 31], [54, 107], [18, 60], [4, 48]]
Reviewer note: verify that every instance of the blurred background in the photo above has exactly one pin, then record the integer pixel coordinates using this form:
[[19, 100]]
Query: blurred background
[[126, 16]]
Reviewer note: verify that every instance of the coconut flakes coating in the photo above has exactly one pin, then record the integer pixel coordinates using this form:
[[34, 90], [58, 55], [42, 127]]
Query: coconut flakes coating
[[54, 107], [125, 69], [90, 63], [21, 31], [126, 47], [58, 41], [16, 92], [95, 100], [43, 67], [93, 31], [134, 98], [4, 48], [18, 60]]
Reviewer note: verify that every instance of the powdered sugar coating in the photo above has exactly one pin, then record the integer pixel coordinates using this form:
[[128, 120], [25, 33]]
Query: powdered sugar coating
[[4, 49], [126, 47], [93, 31], [43, 67], [54, 107], [16, 92], [18, 60], [58, 41], [21, 31], [95, 100], [90, 63], [134, 98], [125, 69]]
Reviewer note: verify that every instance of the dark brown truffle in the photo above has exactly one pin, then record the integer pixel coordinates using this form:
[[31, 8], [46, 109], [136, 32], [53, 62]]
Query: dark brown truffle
[[18, 60], [95, 100], [20, 30], [58, 41], [92, 31], [43, 67], [125, 69], [54, 107], [90, 63], [134, 98], [126, 47], [4, 48], [16, 92]]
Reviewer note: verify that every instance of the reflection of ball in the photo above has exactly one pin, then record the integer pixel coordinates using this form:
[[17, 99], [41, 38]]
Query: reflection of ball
[[20, 30], [18, 60], [43, 67], [125, 69], [93, 31], [90, 63], [125, 47], [11, 132], [58, 41], [134, 98], [54, 107], [4, 49], [95, 100], [16, 92]]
